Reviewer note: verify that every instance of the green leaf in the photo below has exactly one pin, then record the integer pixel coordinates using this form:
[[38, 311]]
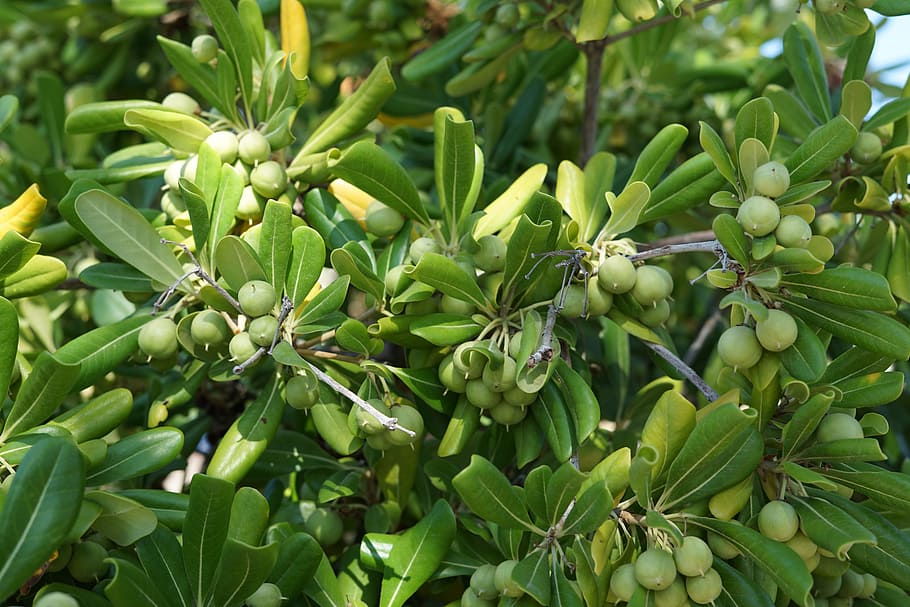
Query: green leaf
[[883, 487], [445, 329], [122, 520], [104, 116], [442, 53], [869, 330], [100, 350], [844, 450], [352, 262], [888, 113], [626, 208], [416, 555], [846, 286], [690, 184], [552, 416], [820, 149], [232, 37], [510, 204], [325, 302], [657, 155], [298, 556], [307, 261], [805, 360], [131, 586], [732, 237], [224, 205], [783, 565], [238, 262], [805, 420], [856, 100], [9, 106], [448, 277], [41, 273], [591, 510], [170, 508], [15, 251], [528, 240], [455, 165], [714, 146], [162, 558], [9, 343], [241, 570], [755, 120], [40, 507], [532, 574], [489, 494], [42, 391], [205, 532], [804, 61], [180, 132], [870, 390], [275, 242], [138, 454], [583, 405], [117, 276], [795, 119], [669, 424], [125, 231], [739, 590], [829, 526], [331, 422]]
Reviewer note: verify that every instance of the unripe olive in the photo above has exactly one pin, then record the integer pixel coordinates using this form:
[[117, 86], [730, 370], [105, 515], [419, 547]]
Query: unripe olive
[[242, 347], [656, 315], [491, 254], [758, 215], [483, 582], [826, 585], [172, 175], [501, 379], [503, 581], [722, 547], [423, 245], [383, 220], [325, 526], [269, 179], [829, 7], [507, 15], [655, 569], [64, 552], [851, 584], [257, 297], [838, 426], [87, 563], [396, 280], [225, 144], [243, 171], [771, 179], [802, 545], [470, 599], [172, 203], [262, 330], [617, 274], [379, 441], [793, 231], [267, 595], [573, 301], [450, 377], [204, 48], [870, 585], [253, 147], [366, 422], [250, 206], [867, 149], [599, 300], [738, 347], [829, 565], [56, 599], [623, 583], [507, 415], [181, 102], [158, 338], [693, 556], [652, 284], [777, 332], [704, 589], [469, 363], [209, 328], [410, 418], [189, 167], [673, 595], [481, 395], [518, 397], [778, 520], [451, 305], [515, 344]]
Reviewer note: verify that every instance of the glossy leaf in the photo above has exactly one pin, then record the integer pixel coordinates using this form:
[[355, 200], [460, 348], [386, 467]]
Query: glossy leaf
[[884, 487], [275, 242], [332, 423], [132, 586], [532, 574], [888, 113], [227, 24], [298, 556], [755, 120], [590, 511], [205, 532], [122, 520], [739, 590], [178, 131], [489, 494], [40, 273], [15, 251], [626, 208], [9, 342], [138, 454], [445, 329], [580, 399], [807, 68], [100, 350], [668, 426], [238, 262], [829, 526], [820, 149], [455, 165], [714, 146], [805, 359], [845, 286], [856, 100], [690, 184], [805, 420], [448, 277], [657, 155], [42, 392], [241, 570], [552, 416], [511, 203], [325, 302], [307, 261], [870, 390], [162, 558]]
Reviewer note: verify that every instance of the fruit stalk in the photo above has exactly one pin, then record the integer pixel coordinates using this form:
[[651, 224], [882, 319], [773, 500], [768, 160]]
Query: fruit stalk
[[685, 369]]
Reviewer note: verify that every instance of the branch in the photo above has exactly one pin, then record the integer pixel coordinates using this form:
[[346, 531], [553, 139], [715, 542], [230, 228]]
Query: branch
[[706, 246], [685, 369]]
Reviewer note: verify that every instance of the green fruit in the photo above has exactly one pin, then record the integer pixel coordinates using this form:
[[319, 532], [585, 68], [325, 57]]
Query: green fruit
[[262, 330], [426, 306], [243, 171], [573, 301], [722, 547], [506, 414], [421, 246], [380, 441], [867, 149], [507, 15], [637, 10], [470, 363], [830, 566], [242, 347], [704, 589], [793, 231], [209, 328], [623, 583], [777, 332], [172, 203], [502, 379], [491, 254], [758, 215], [470, 599], [651, 285], [778, 520], [257, 298], [267, 595], [829, 7], [481, 395], [366, 422], [64, 552], [870, 585], [518, 397], [382, 220], [826, 585], [503, 581], [838, 426], [738, 347], [87, 563], [599, 300], [410, 418], [483, 582], [656, 315], [172, 175], [269, 179], [851, 584], [253, 147], [181, 102], [158, 338], [515, 344], [771, 179], [693, 556], [655, 569], [672, 596], [204, 48], [450, 377], [396, 280], [325, 526], [56, 599], [617, 274], [803, 546], [225, 144], [189, 167], [250, 206], [450, 305], [302, 391]]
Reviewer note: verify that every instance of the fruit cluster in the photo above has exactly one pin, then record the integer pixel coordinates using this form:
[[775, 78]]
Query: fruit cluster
[[684, 575], [649, 286], [364, 424], [741, 347], [489, 583]]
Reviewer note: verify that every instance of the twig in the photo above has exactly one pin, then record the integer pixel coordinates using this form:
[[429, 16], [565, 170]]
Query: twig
[[676, 239], [702, 337], [286, 306], [685, 369], [198, 271], [238, 369], [594, 56], [705, 246], [545, 352]]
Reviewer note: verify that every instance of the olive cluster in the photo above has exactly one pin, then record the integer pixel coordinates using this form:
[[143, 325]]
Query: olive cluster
[[83, 560], [685, 574], [364, 424], [742, 346], [649, 286], [836, 582], [760, 215], [489, 583]]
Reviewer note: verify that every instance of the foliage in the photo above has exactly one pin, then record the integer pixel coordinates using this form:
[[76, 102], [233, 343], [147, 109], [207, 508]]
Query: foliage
[[424, 357]]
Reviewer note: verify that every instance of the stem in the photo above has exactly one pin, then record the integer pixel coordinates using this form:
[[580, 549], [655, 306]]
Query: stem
[[545, 351], [594, 56], [706, 246], [685, 369]]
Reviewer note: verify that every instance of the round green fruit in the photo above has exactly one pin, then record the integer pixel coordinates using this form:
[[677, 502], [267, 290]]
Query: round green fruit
[[269, 179], [450, 377], [396, 280], [325, 526], [382, 220], [172, 203], [301, 391], [242, 347], [502, 379], [673, 595], [870, 585], [778, 521], [209, 328], [262, 330], [599, 300], [469, 362], [652, 284], [366, 422], [507, 15], [470, 599], [704, 589], [655, 569], [758, 215], [518, 397], [738, 347], [491, 253], [158, 338], [838, 426], [771, 179], [829, 7], [794, 232], [616, 274], [253, 147], [172, 175], [826, 586], [56, 599], [508, 415], [693, 556], [267, 595], [851, 584], [722, 547], [623, 583], [422, 246], [777, 332], [504, 582], [410, 418], [181, 102], [225, 144], [656, 315], [803, 546], [481, 395], [204, 48], [867, 149], [573, 301], [257, 298], [87, 563], [483, 582], [250, 206]]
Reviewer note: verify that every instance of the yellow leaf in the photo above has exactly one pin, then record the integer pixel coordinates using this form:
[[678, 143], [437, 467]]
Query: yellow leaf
[[24, 213], [295, 36]]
